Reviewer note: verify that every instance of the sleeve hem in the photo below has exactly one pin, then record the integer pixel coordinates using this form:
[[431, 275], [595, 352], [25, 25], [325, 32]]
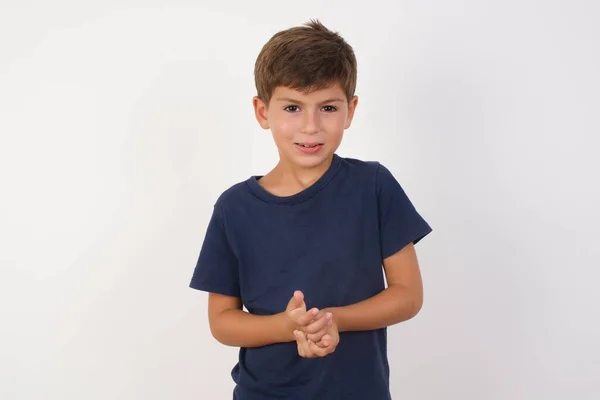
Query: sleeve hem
[[423, 230], [207, 287]]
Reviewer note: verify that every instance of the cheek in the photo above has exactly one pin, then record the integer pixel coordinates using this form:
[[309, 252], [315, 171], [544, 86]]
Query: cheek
[[334, 126], [284, 128]]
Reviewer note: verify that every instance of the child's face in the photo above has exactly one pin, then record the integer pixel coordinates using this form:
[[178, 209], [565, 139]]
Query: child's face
[[307, 128]]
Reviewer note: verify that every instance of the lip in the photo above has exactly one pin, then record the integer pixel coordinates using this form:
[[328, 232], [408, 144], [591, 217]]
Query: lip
[[309, 143], [316, 147]]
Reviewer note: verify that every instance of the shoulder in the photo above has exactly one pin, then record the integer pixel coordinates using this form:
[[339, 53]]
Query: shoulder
[[358, 164], [374, 177], [371, 170], [357, 167], [232, 197]]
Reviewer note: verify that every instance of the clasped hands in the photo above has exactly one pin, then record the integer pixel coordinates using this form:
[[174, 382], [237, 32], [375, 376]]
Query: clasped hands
[[316, 331]]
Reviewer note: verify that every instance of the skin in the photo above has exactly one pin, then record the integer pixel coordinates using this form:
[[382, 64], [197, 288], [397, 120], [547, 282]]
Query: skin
[[295, 117], [320, 117]]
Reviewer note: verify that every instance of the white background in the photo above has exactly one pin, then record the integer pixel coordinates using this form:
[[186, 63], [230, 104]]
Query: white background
[[121, 122]]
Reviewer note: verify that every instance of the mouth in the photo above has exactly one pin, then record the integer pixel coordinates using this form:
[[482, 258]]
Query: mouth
[[309, 147]]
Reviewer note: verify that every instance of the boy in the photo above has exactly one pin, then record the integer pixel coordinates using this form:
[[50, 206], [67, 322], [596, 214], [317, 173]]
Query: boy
[[302, 247]]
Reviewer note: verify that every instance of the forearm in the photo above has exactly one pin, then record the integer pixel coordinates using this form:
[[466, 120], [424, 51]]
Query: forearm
[[239, 328], [391, 306]]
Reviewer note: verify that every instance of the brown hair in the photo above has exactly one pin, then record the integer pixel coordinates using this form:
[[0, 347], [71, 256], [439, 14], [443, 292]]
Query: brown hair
[[306, 58]]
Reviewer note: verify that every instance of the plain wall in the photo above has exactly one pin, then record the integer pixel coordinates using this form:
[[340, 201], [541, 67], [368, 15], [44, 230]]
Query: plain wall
[[121, 123]]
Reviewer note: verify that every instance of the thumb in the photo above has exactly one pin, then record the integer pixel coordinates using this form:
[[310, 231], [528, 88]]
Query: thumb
[[297, 301]]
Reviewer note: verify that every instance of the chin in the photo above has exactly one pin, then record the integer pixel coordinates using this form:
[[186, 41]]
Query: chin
[[311, 161]]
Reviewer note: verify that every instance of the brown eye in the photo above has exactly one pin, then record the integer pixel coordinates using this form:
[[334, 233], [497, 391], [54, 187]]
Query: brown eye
[[329, 108], [291, 108]]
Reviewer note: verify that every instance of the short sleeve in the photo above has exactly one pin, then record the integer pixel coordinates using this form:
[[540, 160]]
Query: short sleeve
[[217, 269], [399, 222]]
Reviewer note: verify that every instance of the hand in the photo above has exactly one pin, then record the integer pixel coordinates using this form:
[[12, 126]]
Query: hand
[[309, 349], [318, 340], [299, 318], [319, 333]]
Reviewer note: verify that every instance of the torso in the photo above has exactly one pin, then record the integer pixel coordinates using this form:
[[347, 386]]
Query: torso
[[323, 240]]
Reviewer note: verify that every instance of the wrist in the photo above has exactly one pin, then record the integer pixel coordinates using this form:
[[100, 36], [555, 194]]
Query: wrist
[[337, 315], [286, 327]]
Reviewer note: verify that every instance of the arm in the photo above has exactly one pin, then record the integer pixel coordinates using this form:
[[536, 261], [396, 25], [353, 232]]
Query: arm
[[232, 326], [400, 301]]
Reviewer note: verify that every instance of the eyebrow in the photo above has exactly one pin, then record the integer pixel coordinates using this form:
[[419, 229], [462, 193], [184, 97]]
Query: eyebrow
[[290, 100]]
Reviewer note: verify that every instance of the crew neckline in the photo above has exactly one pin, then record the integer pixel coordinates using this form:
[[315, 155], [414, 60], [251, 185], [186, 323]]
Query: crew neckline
[[301, 196]]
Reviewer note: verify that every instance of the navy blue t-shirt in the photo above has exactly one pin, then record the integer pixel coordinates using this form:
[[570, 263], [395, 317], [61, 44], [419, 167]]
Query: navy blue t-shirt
[[328, 241]]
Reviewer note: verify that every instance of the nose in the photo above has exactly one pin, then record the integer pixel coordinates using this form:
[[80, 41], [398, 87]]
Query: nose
[[310, 123]]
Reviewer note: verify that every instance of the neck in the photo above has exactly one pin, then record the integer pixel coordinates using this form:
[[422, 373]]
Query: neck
[[303, 177]]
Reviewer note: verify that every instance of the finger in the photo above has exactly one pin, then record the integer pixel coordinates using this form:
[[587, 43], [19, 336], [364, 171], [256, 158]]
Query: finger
[[321, 344], [319, 351], [325, 341], [299, 297], [307, 317], [319, 325], [317, 336], [304, 349], [297, 300], [300, 346]]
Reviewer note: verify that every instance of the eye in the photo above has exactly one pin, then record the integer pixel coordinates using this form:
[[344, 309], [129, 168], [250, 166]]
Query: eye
[[291, 108], [329, 108]]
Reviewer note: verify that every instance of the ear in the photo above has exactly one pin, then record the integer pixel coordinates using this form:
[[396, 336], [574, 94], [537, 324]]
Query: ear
[[260, 110], [351, 108]]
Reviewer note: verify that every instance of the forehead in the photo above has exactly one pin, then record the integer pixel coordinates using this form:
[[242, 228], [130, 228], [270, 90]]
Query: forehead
[[315, 96]]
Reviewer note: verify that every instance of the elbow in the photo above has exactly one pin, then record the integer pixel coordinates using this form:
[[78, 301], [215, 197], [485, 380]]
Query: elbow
[[416, 306], [411, 307], [214, 331], [216, 334], [217, 331], [221, 338], [416, 303]]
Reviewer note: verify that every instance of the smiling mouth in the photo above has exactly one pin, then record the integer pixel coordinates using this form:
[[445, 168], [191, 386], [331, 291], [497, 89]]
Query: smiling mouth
[[309, 145]]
